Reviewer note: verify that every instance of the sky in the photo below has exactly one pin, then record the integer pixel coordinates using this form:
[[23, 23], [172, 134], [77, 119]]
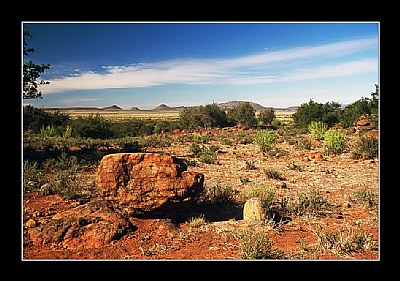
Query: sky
[[145, 64]]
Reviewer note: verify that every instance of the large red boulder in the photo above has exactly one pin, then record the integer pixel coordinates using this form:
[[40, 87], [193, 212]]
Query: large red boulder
[[137, 183]]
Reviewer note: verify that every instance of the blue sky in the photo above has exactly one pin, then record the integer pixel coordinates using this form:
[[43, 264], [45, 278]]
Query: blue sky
[[145, 64]]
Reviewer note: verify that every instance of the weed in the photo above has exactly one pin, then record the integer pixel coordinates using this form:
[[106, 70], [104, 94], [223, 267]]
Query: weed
[[198, 221], [334, 141], [366, 147], [273, 174], [255, 245], [345, 240], [250, 165], [311, 202], [265, 139], [367, 197], [265, 193], [317, 129]]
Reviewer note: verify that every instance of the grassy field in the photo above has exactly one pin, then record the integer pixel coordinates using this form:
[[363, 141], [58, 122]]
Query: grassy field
[[123, 115]]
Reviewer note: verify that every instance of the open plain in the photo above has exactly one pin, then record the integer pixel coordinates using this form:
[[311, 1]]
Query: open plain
[[323, 206]]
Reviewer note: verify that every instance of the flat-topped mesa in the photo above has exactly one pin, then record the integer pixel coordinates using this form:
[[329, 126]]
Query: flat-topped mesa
[[138, 183]]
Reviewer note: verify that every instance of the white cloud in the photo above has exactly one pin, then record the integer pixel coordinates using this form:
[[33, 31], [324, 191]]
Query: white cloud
[[266, 67]]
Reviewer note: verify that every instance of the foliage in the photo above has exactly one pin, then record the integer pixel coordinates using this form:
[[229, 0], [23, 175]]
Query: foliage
[[209, 116], [265, 193], [317, 129], [328, 113], [218, 193], [31, 175], [273, 174], [334, 141], [243, 114], [255, 245], [363, 106], [93, 126], [35, 119], [310, 202], [32, 72], [266, 116], [367, 197], [265, 139], [366, 147]]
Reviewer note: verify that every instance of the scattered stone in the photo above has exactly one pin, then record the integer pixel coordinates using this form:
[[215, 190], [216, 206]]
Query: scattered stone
[[255, 210]]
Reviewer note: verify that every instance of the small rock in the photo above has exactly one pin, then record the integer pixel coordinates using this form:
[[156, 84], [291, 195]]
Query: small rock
[[30, 223], [46, 189]]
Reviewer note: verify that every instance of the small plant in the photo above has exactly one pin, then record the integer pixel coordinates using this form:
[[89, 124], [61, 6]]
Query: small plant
[[198, 221], [345, 240], [317, 129], [255, 245], [265, 193], [251, 165], [334, 141], [31, 175], [367, 197], [295, 167], [62, 184], [244, 180], [366, 147], [218, 193], [49, 131], [265, 139], [68, 132], [273, 174], [311, 202]]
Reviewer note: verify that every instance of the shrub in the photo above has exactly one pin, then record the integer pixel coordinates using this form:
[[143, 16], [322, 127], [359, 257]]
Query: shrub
[[31, 175], [243, 114], [334, 141], [328, 113], [265, 193], [255, 245], [366, 147], [92, 126], [273, 174], [265, 139], [218, 193], [266, 116], [317, 129], [310, 202]]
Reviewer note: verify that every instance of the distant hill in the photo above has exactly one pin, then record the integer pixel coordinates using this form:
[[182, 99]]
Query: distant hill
[[163, 107], [231, 104], [112, 107]]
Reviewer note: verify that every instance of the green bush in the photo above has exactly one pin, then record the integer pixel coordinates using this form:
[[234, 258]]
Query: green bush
[[334, 141], [243, 114], [266, 116], [328, 113], [265, 139], [317, 129]]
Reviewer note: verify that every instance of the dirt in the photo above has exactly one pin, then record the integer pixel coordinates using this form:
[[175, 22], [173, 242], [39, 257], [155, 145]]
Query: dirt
[[172, 236]]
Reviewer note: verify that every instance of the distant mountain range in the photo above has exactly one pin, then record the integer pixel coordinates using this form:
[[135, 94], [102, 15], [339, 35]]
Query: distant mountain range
[[163, 107]]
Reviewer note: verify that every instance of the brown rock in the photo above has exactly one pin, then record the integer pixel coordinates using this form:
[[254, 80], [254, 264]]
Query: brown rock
[[142, 182], [91, 225]]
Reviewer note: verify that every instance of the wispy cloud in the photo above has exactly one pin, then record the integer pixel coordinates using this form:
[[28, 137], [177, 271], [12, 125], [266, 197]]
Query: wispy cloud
[[309, 62]]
